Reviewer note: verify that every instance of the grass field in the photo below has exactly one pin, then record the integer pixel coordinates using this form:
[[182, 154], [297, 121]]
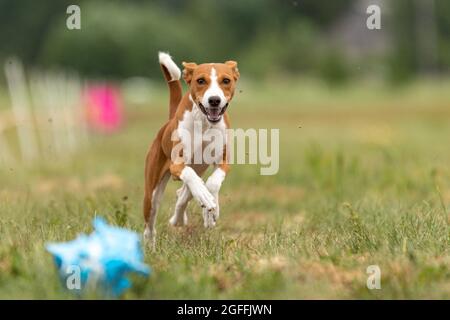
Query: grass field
[[364, 180]]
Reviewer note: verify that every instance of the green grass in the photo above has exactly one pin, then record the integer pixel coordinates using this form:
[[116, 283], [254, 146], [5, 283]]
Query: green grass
[[364, 180]]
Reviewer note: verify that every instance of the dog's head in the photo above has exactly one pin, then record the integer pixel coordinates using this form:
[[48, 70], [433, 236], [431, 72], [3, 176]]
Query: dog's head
[[211, 86]]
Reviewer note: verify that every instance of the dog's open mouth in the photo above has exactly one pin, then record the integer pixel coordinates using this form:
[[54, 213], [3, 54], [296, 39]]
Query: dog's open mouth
[[213, 114]]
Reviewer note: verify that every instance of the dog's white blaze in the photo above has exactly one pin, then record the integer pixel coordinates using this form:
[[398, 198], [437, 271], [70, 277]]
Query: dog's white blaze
[[214, 90]]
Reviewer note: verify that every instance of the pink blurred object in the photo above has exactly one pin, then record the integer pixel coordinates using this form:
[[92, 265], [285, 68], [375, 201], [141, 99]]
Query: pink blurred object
[[104, 107]]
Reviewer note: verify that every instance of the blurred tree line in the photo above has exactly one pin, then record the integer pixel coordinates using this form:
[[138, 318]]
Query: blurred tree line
[[122, 38]]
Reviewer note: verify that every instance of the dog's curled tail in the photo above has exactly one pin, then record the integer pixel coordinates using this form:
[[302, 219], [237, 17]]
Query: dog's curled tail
[[172, 75]]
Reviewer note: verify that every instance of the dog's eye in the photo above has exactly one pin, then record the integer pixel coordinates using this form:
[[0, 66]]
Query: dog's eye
[[201, 81], [226, 81]]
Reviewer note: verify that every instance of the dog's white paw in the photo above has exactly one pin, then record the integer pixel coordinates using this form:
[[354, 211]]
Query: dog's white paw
[[209, 218], [216, 212], [150, 238], [203, 196], [213, 184]]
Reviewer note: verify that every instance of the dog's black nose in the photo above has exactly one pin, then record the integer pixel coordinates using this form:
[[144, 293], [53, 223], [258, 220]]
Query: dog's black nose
[[214, 101]]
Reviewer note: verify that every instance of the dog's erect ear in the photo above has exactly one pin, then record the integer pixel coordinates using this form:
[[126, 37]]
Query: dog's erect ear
[[189, 68], [233, 65]]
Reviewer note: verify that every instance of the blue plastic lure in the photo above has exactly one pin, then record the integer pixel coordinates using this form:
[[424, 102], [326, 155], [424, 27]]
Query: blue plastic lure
[[102, 259]]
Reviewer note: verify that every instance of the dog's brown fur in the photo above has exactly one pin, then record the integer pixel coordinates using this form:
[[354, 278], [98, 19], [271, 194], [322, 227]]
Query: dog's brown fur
[[158, 161]]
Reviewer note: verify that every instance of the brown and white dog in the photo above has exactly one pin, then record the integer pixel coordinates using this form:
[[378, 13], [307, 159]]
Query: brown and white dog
[[211, 88]]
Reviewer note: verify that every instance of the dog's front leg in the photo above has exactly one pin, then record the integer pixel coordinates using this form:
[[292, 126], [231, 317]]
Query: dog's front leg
[[213, 184]]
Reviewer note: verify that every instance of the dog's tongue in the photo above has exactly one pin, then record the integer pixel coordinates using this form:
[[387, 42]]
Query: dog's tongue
[[214, 113]]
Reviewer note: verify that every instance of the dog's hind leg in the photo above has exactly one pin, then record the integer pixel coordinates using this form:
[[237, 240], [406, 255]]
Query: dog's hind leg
[[152, 206], [179, 217]]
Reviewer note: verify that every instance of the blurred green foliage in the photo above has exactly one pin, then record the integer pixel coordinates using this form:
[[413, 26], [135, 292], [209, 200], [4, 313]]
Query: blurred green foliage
[[121, 38], [405, 58]]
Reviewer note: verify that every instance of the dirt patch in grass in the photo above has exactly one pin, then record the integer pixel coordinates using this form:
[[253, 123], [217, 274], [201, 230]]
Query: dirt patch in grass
[[338, 277], [104, 182]]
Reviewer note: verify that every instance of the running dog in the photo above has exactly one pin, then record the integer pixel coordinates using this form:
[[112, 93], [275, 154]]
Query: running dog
[[204, 105]]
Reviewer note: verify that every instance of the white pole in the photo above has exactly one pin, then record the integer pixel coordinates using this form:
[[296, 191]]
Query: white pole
[[61, 126], [68, 121], [6, 156], [74, 109], [21, 109], [43, 117]]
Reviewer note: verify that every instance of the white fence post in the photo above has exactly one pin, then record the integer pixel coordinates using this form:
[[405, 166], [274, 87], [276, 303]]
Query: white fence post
[[49, 119], [21, 109]]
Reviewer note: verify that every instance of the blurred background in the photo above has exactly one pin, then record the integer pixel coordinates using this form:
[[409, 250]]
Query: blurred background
[[63, 90], [120, 39]]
